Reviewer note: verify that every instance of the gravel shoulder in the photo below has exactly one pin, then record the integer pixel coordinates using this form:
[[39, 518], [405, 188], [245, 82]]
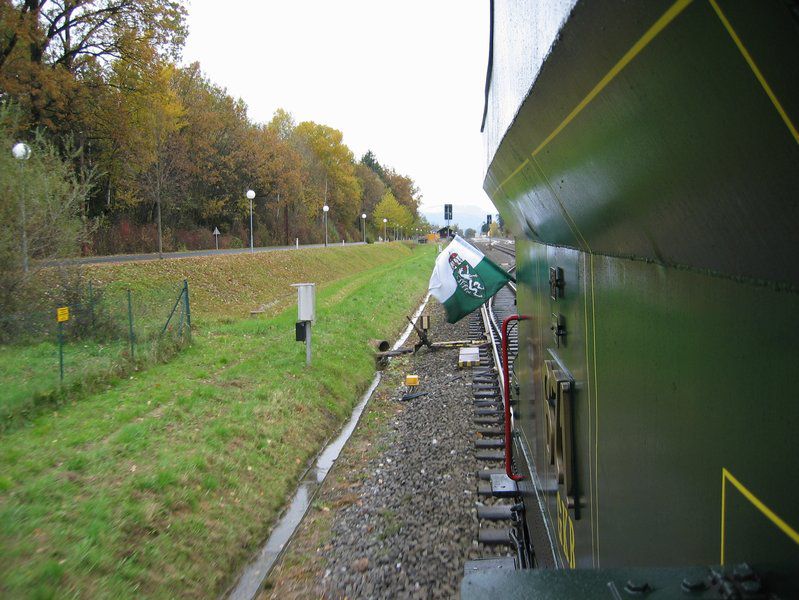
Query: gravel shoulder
[[396, 516]]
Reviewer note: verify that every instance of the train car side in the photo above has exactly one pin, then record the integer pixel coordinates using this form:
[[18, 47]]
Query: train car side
[[650, 177]]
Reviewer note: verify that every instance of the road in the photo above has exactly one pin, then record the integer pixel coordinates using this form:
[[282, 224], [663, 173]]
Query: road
[[118, 258]]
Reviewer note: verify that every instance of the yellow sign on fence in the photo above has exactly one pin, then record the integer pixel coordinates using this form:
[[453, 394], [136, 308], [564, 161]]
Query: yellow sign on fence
[[62, 314]]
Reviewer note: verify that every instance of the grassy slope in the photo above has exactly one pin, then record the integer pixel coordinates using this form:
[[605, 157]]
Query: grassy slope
[[163, 484], [229, 286], [221, 288]]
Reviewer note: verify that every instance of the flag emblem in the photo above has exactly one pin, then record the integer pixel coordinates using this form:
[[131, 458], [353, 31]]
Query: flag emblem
[[467, 279]]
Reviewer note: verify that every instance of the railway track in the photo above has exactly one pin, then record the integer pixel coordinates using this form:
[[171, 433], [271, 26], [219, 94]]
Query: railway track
[[502, 535]]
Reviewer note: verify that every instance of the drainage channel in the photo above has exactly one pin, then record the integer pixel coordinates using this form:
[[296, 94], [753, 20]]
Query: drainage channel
[[253, 577]]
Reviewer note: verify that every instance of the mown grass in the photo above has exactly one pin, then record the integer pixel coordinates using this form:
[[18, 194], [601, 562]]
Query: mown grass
[[230, 286], [163, 484], [222, 288]]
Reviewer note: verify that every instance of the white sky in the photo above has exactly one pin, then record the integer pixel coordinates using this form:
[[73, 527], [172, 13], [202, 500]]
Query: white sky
[[404, 79]]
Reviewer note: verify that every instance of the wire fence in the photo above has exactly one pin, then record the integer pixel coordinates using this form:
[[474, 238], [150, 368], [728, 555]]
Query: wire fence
[[87, 336]]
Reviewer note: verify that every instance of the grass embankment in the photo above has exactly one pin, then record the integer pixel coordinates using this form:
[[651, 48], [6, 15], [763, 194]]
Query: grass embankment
[[164, 484], [222, 288], [230, 286]]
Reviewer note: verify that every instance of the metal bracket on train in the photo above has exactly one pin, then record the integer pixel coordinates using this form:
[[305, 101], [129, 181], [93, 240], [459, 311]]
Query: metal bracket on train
[[555, 282], [558, 328], [558, 390]]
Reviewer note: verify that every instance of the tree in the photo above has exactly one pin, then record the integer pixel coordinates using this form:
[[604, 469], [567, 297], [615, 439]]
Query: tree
[[404, 190], [43, 197], [396, 214], [373, 187], [49, 46], [501, 222], [369, 160], [73, 33], [330, 174], [470, 233], [282, 124], [160, 121]]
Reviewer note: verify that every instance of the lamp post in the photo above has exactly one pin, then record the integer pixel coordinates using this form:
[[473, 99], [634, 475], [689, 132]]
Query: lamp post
[[250, 196], [325, 209], [363, 224], [22, 152], [385, 237]]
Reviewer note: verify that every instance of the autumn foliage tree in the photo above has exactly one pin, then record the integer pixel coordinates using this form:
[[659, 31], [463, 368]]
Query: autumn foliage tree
[[174, 153]]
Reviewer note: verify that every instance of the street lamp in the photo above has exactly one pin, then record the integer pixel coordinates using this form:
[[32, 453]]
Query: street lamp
[[325, 209], [22, 152], [385, 237], [250, 196], [363, 224]]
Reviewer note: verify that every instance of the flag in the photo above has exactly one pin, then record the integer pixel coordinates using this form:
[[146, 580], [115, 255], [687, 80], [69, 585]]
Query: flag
[[464, 279]]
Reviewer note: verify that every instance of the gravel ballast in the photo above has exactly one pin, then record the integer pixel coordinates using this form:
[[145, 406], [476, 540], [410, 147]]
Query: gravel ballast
[[398, 517], [416, 524]]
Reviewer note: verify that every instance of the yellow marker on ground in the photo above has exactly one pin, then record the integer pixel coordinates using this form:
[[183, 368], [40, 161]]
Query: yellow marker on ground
[[411, 380], [468, 357]]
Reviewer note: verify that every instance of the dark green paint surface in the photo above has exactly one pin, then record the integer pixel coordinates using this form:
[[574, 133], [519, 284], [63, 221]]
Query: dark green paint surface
[[689, 380], [671, 203], [681, 159]]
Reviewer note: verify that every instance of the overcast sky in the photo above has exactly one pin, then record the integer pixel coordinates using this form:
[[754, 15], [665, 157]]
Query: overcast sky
[[404, 79]]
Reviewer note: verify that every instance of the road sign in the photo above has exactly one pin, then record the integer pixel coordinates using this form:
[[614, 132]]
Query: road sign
[[216, 237], [62, 314]]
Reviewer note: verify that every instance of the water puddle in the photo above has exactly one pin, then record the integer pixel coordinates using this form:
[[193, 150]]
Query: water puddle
[[255, 574]]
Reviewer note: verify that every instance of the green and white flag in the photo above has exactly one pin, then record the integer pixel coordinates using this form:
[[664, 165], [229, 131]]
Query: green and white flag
[[464, 279]]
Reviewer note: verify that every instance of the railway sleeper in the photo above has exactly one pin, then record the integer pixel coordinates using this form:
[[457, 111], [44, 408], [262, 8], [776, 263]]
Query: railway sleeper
[[500, 512], [485, 474], [491, 431], [486, 455], [487, 420], [487, 404], [496, 536], [488, 412], [484, 489], [489, 443], [501, 563]]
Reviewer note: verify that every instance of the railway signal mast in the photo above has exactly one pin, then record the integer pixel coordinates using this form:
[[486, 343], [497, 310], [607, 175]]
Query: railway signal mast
[[448, 216]]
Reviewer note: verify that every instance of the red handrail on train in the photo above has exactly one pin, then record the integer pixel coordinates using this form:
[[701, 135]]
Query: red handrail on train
[[505, 372]]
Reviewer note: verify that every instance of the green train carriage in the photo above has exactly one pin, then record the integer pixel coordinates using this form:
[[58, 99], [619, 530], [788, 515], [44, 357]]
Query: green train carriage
[[645, 156]]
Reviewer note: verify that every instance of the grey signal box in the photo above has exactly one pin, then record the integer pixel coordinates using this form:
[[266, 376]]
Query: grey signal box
[[306, 301], [306, 315]]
